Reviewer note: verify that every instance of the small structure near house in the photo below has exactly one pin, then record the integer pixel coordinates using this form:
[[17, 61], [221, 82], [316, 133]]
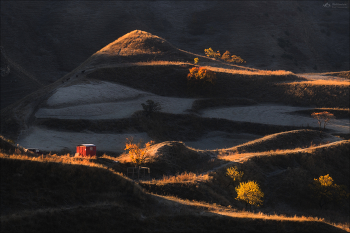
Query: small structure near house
[[86, 150]]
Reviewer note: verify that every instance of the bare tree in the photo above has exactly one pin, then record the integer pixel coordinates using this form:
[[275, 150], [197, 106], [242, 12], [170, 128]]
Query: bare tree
[[324, 117]]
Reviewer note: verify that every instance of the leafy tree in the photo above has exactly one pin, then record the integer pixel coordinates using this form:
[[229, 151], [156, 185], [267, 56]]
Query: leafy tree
[[250, 193], [200, 76], [324, 117], [326, 192], [151, 107], [237, 59], [226, 56], [210, 53], [136, 152], [232, 58], [325, 180], [234, 174]]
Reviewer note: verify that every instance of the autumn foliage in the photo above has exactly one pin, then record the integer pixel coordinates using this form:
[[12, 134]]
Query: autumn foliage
[[201, 76], [234, 174], [226, 56], [210, 53], [137, 154], [232, 58], [250, 193], [325, 191]]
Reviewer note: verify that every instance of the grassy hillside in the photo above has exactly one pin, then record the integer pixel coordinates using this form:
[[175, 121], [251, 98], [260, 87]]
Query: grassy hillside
[[284, 176], [171, 81], [64, 193]]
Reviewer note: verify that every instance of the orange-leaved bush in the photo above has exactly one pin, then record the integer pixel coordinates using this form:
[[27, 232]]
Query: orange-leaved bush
[[210, 53], [237, 59], [201, 76], [137, 154], [232, 58], [325, 180]]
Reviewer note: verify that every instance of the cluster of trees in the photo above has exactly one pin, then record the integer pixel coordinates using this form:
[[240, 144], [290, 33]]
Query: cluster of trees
[[226, 56]]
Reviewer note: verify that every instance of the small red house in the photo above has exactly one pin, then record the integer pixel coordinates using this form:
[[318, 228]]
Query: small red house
[[86, 150]]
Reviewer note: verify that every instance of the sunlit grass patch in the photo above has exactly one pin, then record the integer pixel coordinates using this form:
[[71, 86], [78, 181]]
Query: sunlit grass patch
[[54, 158], [324, 82], [181, 178], [252, 72]]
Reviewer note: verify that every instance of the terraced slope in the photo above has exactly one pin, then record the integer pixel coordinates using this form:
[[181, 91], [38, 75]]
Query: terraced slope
[[106, 90]]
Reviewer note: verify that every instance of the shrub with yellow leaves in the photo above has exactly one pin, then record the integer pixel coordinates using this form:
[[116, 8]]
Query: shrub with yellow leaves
[[325, 180], [234, 174], [201, 76], [137, 154], [210, 53], [250, 193], [325, 191]]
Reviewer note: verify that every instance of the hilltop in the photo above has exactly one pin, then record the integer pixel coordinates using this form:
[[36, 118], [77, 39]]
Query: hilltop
[[139, 46]]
